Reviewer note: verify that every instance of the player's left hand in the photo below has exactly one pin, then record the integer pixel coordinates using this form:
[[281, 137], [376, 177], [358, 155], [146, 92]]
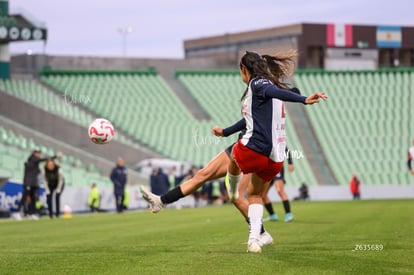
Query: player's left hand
[[314, 98], [217, 131], [290, 167], [412, 172]]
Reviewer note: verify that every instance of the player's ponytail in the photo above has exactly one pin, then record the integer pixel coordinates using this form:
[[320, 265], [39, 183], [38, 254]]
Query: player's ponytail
[[281, 66]]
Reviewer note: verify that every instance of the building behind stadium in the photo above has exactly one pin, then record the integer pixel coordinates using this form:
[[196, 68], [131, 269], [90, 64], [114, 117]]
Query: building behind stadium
[[321, 46]]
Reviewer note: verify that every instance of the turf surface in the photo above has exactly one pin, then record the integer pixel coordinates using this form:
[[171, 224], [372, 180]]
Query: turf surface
[[212, 240]]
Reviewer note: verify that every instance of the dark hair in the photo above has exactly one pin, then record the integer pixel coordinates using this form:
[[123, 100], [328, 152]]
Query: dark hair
[[274, 68], [48, 160]]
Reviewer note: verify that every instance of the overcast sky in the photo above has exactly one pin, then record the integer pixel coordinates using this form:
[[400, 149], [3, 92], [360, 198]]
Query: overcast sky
[[90, 27]]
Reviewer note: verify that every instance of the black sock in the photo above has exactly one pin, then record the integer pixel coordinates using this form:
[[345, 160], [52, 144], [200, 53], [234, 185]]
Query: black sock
[[262, 230], [172, 195], [269, 208], [286, 205]]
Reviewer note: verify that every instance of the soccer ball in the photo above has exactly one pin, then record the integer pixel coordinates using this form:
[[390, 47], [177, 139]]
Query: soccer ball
[[101, 131]]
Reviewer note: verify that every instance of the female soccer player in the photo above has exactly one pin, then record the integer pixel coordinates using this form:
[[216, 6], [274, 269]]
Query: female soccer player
[[213, 170], [216, 168], [261, 149]]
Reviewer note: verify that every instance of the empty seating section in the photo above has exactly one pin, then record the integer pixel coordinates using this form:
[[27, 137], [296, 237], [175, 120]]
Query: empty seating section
[[219, 94], [64, 105], [360, 129], [366, 125], [15, 149], [41, 97], [145, 107]]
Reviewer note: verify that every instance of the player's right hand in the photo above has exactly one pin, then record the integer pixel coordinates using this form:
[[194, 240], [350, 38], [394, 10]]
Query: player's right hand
[[314, 98]]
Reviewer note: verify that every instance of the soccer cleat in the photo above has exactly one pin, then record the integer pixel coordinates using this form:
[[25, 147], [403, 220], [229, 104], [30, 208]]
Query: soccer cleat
[[231, 190], [265, 239], [154, 201], [253, 246], [272, 217], [289, 217], [17, 216], [34, 217]]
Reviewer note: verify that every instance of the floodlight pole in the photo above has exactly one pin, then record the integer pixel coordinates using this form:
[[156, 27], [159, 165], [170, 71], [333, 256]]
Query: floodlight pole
[[124, 32]]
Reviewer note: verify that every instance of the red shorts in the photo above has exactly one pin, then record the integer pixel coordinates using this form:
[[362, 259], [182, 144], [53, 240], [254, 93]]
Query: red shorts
[[250, 161]]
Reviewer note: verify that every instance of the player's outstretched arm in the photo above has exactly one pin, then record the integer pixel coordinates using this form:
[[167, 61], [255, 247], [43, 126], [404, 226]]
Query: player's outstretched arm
[[314, 98]]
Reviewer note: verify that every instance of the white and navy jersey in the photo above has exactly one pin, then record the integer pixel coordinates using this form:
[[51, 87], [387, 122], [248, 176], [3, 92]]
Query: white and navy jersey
[[263, 111]]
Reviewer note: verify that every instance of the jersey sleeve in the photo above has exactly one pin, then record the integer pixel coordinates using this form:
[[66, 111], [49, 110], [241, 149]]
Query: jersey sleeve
[[236, 127], [265, 89], [273, 91]]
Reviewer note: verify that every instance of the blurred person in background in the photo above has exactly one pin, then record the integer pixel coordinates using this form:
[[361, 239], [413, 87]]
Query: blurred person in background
[[303, 192], [159, 182], [279, 181], [197, 195], [53, 181], [127, 198], [171, 177], [119, 179], [214, 191], [410, 158], [354, 186], [94, 198], [31, 185]]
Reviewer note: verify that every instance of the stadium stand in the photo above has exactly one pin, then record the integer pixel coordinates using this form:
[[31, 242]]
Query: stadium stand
[[142, 104], [172, 131], [169, 128], [15, 149], [361, 129], [64, 106]]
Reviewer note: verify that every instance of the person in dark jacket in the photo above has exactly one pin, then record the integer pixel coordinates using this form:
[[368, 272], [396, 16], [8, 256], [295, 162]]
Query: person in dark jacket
[[119, 179], [303, 192], [159, 182], [53, 182], [31, 184]]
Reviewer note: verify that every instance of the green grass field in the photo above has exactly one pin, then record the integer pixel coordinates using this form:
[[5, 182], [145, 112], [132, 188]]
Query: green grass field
[[212, 240]]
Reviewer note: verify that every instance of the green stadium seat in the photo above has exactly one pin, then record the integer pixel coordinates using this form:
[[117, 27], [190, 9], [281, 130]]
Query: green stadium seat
[[360, 123], [35, 94]]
